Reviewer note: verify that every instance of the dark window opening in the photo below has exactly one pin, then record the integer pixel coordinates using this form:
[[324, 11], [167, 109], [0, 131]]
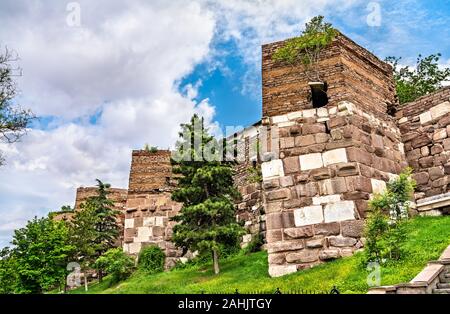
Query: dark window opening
[[319, 95], [254, 163]]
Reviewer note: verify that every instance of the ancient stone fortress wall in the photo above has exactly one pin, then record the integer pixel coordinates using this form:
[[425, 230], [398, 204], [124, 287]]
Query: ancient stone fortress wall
[[149, 206], [118, 196], [351, 72], [425, 127], [331, 159], [251, 208]]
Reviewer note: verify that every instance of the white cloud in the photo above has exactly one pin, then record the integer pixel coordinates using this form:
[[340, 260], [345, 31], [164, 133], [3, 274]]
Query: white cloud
[[124, 62]]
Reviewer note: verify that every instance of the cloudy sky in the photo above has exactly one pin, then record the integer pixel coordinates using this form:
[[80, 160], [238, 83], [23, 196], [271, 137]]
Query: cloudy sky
[[105, 77]]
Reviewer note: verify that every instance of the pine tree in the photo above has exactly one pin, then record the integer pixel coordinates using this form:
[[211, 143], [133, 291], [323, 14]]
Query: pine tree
[[207, 219]]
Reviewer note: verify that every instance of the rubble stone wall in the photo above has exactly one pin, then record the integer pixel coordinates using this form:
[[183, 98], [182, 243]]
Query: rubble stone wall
[[425, 127]]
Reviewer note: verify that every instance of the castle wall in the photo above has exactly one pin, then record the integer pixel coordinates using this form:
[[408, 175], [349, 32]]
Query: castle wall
[[425, 127], [149, 206], [351, 72]]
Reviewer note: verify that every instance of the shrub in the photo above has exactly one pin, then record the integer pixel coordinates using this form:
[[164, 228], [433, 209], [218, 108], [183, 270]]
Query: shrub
[[116, 263], [385, 228], [255, 244], [151, 259]]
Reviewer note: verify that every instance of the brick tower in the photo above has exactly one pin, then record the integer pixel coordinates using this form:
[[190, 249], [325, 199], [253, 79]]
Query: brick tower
[[331, 159]]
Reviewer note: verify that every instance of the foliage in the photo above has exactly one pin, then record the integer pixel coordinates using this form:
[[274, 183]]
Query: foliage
[[66, 209], [427, 237], [151, 149], [254, 174], [41, 255], [13, 119], [306, 49], [94, 229], [8, 274], [255, 244], [151, 259], [385, 233], [116, 263], [424, 79], [207, 220]]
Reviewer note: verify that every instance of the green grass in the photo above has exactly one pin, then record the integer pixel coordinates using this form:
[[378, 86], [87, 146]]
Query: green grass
[[427, 239]]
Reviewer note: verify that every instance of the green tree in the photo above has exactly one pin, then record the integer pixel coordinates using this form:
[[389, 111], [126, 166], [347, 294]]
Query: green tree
[[385, 229], [95, 229], [116, 263], [207, 220], [425, 78], [13, 119], [41, 253], [307, 48], [8, 273]]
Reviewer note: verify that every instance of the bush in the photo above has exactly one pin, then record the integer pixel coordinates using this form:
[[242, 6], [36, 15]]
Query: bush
[[151, 259], [255, 244], [385, 228], [116, 263]]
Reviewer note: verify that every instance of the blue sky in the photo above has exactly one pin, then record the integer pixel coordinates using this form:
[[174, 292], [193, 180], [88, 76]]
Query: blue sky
[[106, 77]]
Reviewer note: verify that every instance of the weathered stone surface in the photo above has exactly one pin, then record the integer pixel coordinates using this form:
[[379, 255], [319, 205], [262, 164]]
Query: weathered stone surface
[[313, 128], [291, 165], [421, 140], [347, 169], [311, 161], [274, 235], [332, 186], [334, 156], [129, 223], [327, 229], [308, 215], [439, 134], [278, 194], [306, 256], [326, 199], [272, 169], [274, 220], [436, 173], [440, 110], [286, 181], [339, 211], [315, 243], [341, 241], [277, 258], [359, 155], [298, 233], [354, 229], [298, 202], [292, 245], [321, 173], [281, 270], [378, 186], [421, 177], [329, 254], [305, 140]]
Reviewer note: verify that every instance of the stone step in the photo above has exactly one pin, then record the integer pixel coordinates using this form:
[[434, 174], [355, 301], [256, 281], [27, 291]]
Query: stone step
[[443, 285], [441, 291]]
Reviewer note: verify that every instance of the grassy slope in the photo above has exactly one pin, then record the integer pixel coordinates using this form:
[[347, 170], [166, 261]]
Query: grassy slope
[[428, 237]]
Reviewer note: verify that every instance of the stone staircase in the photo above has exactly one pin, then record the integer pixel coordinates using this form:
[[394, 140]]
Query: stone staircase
[[443, 287], [433, 279]]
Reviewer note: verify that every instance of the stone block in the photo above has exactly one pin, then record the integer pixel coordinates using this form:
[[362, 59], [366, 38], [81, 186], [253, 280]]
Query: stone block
[[341, 241], [291, 165], [286, 181], [321, 173], [148, 221], [134, 248], [436, 173], [308, 189], [378, 186], [281, 270], [277, 258], [425, 151], [306, 140], [353, 229], [347, 169], [313, 128], [436, 149], [280, 119], [359, 155], [282, 246], [440, 110], [339, 211], [274, 221], [421, 140], [272, 169], [315, 243], [129, 223], [297, 202], [332, 186], [274, 235], [326, 199], [306, 256], [278, 194], [310, 113], [298, 233], [327, 229], [329, 254], [439, 134], [308, 215], [311, 161], [425, 117], [334, 156]]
